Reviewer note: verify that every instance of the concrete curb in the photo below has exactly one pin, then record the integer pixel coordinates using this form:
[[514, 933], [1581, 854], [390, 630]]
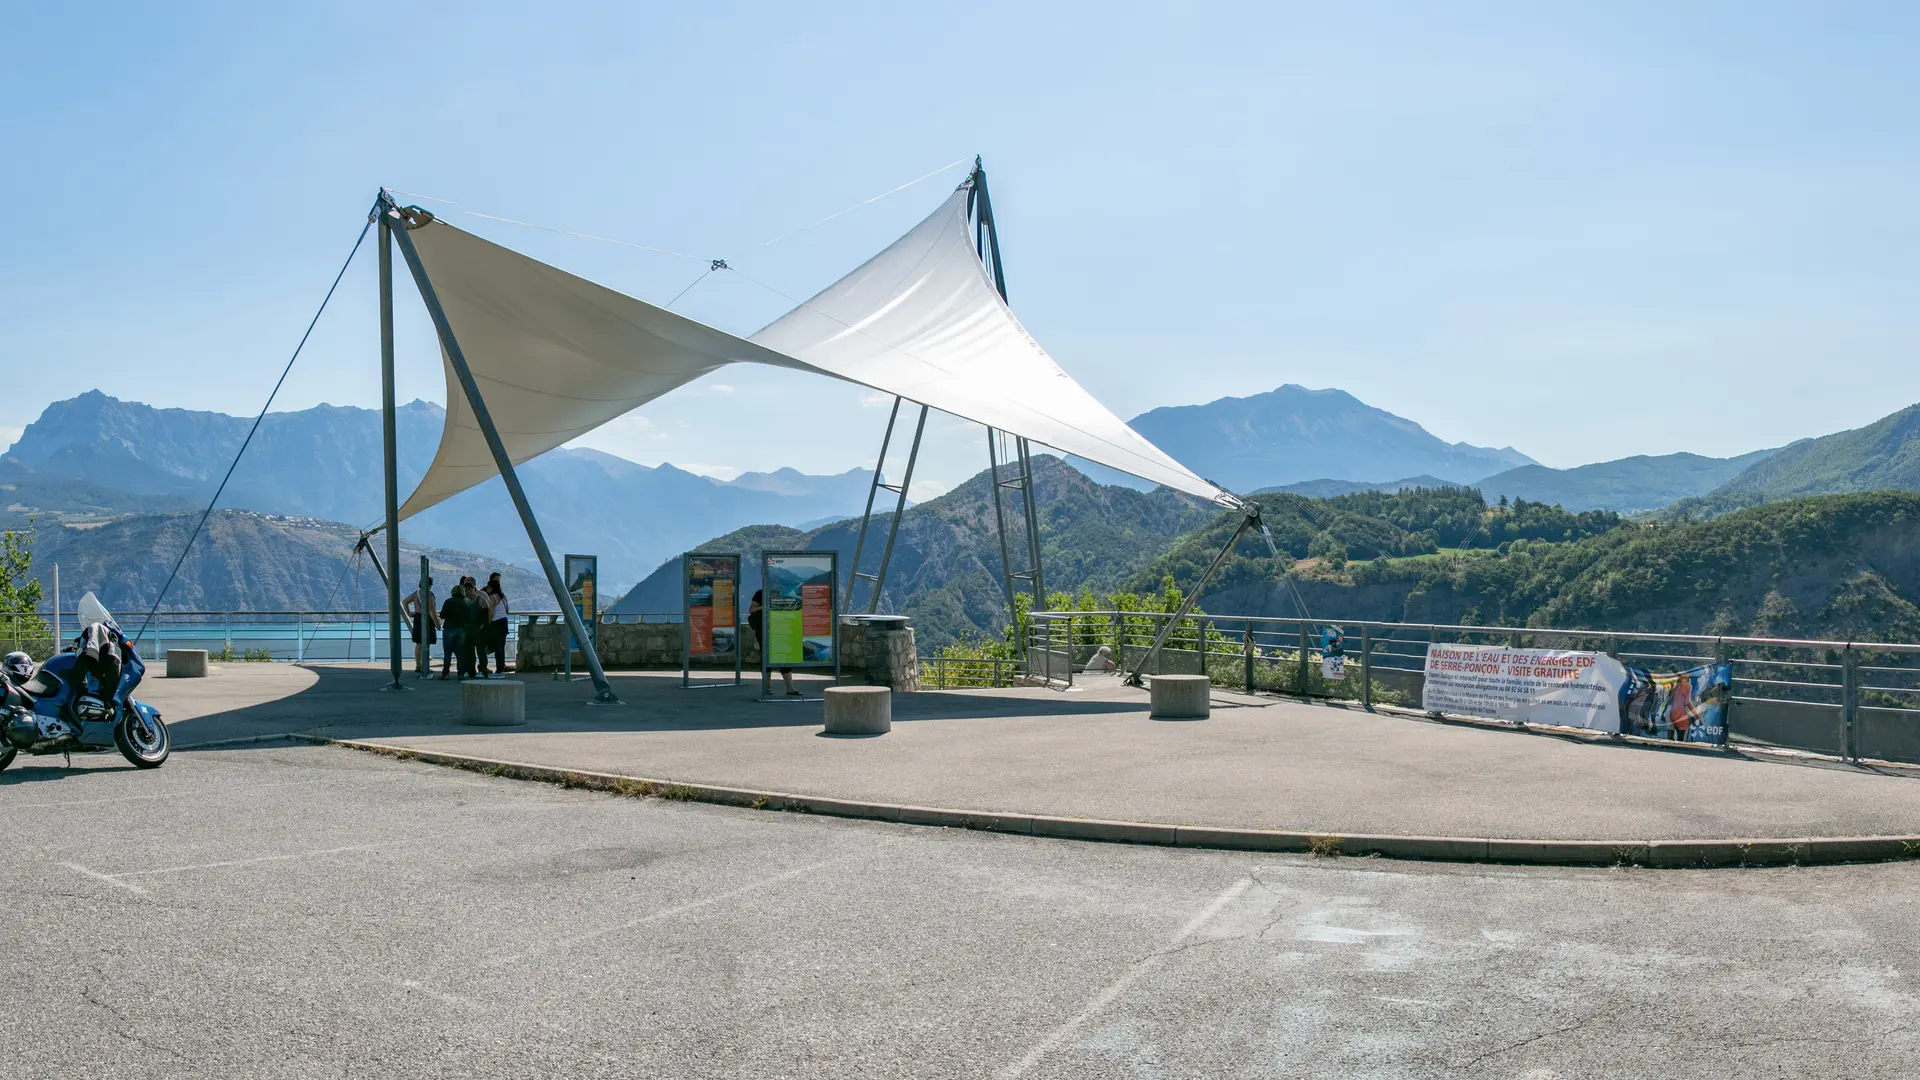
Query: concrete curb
[[1733, 852]]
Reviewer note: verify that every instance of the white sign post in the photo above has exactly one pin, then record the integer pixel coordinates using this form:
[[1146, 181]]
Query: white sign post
[[1530, 686]]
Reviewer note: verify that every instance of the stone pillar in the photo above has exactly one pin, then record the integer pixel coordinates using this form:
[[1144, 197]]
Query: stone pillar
[[186, 663], [1179, 697], [859, 710], [487, 703], [902, 660]]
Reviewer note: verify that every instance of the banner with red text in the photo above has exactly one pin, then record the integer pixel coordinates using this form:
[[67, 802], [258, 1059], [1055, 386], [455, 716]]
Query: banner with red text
[[1534, 686]]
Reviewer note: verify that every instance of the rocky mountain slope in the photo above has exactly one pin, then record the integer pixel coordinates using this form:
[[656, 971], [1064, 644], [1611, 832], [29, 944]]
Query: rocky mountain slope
[[324, 463], [946, 562], [1293, 433]]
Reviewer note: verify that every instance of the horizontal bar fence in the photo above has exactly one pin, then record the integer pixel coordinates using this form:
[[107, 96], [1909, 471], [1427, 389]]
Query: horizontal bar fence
[[967, 673], [1851, 699], [297, 636]]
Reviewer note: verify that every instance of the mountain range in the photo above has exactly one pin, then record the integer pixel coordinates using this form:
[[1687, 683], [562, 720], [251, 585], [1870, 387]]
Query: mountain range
[[112, 484], [946, 560], [1882, 456], [1628, 485], [1324, 443], [133, 458], [247, 561], [1293, 433]]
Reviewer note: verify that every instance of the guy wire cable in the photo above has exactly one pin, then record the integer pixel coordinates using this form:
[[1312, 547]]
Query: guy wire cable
[[251, 432]]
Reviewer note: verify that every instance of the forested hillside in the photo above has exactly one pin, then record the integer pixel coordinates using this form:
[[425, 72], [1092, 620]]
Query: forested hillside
[[1840, 566], [946, 562], [244, 562], [1882, 456]]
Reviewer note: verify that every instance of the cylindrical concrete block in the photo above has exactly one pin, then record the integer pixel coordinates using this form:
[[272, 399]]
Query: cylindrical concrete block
[[1180, 697], [493, 703], [186, 663], [859, 710]]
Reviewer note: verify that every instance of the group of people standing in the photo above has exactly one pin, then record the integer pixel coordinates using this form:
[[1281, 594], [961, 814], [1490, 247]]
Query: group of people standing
[[473, 621]]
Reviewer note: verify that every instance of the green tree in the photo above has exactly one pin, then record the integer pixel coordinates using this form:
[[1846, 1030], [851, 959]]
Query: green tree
[[20, 625]]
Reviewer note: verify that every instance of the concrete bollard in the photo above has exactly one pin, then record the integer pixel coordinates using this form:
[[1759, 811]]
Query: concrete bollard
[[859, 710], [186, 663], [1180, 697], [493, 703]]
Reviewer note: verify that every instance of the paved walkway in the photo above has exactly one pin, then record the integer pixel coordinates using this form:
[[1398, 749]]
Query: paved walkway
[[296, 913], [1258, 763]]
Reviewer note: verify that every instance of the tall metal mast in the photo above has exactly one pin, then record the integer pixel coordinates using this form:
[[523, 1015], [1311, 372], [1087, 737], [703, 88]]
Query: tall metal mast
[[389, 441], [413, 217], [1007, 471], [1010, 467]]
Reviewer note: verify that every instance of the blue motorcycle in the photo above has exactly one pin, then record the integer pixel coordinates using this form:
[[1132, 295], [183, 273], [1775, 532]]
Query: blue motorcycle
[[62, 708]]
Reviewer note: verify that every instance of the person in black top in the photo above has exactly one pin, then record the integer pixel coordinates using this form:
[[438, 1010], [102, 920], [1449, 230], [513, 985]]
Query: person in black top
[[453, 624], [756, 618], [479, 614]]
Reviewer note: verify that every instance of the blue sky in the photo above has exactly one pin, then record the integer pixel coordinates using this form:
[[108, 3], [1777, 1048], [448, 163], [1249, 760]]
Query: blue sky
[[1633, 228]]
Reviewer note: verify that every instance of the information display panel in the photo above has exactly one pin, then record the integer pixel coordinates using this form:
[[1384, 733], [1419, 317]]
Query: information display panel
[[710, 604], [583, 578], [800, 614]]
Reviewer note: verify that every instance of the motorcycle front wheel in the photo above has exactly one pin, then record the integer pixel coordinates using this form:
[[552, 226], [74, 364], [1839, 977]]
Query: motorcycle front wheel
[[147, 746]]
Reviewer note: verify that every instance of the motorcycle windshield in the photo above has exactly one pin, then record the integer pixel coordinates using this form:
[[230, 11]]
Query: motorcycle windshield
[[93, 611]]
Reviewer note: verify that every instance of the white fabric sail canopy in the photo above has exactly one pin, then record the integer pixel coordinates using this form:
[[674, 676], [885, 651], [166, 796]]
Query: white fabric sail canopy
[[923, 320], [555, 355]]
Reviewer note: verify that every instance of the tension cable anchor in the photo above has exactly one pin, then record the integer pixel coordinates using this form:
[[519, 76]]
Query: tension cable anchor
[[718, 264]]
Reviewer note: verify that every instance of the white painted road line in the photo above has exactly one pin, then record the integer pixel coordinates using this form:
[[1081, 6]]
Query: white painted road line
[[668, 913], [108, 878], [263, 859], [222, 792], [1126, 981]]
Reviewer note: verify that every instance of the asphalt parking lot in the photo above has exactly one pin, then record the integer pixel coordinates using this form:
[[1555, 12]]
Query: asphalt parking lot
[[297, 911]]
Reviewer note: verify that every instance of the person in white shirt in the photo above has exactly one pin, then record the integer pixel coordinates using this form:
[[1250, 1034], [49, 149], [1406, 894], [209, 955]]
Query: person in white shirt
[[496, 642]]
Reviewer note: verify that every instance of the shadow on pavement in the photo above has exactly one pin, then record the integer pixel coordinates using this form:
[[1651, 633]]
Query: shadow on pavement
[[352, 702]]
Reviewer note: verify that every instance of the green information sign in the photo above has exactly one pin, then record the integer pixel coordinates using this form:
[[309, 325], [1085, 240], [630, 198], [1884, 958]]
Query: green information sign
[[786, 639], [800, 611]]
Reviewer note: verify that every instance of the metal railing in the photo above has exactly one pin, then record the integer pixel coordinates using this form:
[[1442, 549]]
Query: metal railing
[[967, 673], [291, 636], [1851, 699]]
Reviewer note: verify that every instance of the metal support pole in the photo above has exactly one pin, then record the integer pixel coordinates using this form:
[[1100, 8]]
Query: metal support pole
[[458, 361], [1070, 651], [423, 653], [389, 446], [873, 490], [1246, 652], [1251, 520], [1849, 702], [1000, 515], [1031, 510], [987, 247], [1300, 679], [879, 576], [1720, 657], [899, 511], [1366, 667], [380, 571]]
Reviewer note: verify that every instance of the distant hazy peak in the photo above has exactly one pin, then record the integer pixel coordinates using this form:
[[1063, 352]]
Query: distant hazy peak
[[1295, 433]]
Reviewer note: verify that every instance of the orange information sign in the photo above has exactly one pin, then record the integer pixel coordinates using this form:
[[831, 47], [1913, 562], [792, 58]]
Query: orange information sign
[[712, 592], [816, 610]]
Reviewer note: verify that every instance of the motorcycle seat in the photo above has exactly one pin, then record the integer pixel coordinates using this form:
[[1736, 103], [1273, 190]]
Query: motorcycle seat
[[43, 684]]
